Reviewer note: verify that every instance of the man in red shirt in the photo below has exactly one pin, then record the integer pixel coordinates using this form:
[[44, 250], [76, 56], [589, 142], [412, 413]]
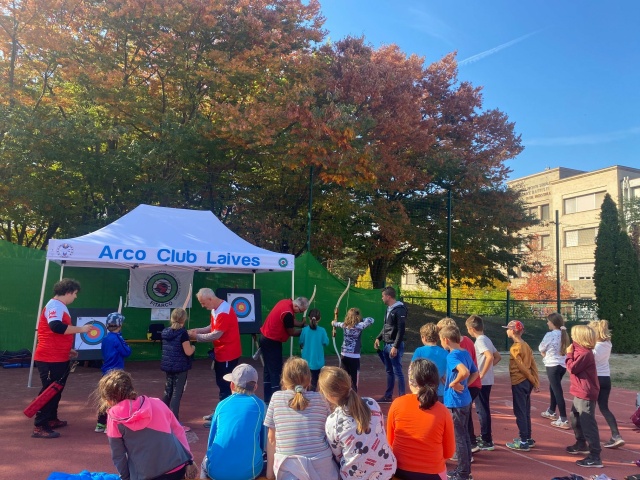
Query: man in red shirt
[[225, 335], [279, 326], [54, 352]]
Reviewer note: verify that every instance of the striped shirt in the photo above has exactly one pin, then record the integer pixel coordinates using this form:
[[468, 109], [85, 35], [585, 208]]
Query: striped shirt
[[299, 432]]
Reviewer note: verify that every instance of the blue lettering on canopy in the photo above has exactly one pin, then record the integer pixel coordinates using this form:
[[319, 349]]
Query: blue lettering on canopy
[[232, 260], [126, 254]]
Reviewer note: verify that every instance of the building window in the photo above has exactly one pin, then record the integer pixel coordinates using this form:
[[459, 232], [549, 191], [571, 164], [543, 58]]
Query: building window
[[635, 192], [545, 242], [583, 203], [533, 211], [580, 271], [544, 212], [584, 236]]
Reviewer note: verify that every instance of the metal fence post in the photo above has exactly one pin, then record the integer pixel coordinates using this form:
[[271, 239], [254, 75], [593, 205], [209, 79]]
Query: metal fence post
[[506, 342]]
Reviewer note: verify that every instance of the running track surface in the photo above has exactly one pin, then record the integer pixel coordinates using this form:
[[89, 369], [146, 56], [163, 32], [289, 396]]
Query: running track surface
[[80, 448]]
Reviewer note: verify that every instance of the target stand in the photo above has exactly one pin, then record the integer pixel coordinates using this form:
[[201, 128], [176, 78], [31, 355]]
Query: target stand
[[247, 304], [89, 344]]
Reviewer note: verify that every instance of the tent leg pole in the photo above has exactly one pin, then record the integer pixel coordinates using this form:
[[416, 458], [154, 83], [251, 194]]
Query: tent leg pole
[[61, 270], [35, 335]]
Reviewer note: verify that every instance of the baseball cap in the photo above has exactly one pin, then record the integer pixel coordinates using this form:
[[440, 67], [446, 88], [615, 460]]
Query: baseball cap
[[242, 375], [115, 319], [515, 325]]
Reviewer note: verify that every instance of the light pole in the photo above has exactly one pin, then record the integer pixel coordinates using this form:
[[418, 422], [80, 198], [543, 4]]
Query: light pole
[[449, 252], [558, 301]]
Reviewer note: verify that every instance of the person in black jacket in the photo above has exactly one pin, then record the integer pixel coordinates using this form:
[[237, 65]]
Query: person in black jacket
[[391, 342], [176, 360]]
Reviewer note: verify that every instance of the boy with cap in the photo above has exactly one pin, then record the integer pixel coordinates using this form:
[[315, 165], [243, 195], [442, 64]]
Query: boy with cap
[[114, 350], [524, 378], [237, 437]]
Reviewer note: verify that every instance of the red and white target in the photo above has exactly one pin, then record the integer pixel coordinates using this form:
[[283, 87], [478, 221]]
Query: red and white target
[[244, 306]]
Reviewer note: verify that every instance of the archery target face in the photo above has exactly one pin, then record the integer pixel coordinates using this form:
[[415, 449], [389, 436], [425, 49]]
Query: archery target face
[[93, 339], [244, 306]]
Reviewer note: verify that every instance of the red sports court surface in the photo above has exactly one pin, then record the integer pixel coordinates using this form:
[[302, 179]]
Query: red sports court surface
[[80, 448]]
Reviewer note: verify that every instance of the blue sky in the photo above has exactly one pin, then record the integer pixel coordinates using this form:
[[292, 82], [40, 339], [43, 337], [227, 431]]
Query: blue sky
[[566, 72]]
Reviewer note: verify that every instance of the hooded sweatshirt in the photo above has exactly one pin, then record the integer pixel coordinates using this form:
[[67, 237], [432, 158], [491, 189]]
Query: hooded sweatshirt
[[584, 378], [146, 439]]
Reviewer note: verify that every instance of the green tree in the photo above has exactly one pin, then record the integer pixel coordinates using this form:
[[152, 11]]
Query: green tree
[[617, 278]]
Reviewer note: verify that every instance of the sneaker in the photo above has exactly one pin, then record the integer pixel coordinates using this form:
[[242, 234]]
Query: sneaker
[[615, 442], [44, 432], [531, 441], [518, 444], [590, 462], [56, 423], [384, 400], [475, 448], [577, 449], [560, 424], [206, 424], [549, 415], [207, 418], [454, 475], [185, 428], [100, 428], [482, 445]]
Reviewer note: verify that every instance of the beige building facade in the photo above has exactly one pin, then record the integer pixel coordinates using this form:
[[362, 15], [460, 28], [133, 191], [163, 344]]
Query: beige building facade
[[577, 197]]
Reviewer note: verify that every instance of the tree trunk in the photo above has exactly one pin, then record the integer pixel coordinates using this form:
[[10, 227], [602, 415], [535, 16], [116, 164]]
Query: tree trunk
[[379, 269]]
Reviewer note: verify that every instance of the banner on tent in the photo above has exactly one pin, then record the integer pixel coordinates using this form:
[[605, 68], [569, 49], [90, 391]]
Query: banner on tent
[[159, 288]]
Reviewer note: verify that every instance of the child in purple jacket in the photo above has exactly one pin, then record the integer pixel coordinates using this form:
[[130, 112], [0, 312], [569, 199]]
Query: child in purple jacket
[[584, 386]]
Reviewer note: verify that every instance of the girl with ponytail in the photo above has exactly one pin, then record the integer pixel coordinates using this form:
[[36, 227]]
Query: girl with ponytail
[[353, 326], [553, 349], [420, 428], [355, 429], [312, 340], [295, 419]]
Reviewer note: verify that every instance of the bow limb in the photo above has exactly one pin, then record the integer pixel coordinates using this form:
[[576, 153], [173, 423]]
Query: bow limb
[[335, 319], [313, 295]]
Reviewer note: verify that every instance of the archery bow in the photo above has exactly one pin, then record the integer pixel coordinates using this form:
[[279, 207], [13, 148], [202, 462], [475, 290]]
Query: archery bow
[[335, 319], [313, 295]]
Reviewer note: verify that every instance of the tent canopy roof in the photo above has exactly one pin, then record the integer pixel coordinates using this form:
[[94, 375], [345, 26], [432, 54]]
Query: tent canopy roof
[[151, 236]]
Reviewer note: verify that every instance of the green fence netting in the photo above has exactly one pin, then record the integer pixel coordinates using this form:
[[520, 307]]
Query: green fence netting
[[21, 282]]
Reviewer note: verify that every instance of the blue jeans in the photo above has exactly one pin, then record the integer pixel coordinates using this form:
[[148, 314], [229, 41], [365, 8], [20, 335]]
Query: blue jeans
[[393, 367], [460, 418]]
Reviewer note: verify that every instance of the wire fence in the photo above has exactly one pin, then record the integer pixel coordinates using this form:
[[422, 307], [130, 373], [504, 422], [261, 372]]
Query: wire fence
[[576, 310]]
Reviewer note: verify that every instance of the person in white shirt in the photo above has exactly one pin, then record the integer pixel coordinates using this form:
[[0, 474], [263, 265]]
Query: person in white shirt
[[553, 349]]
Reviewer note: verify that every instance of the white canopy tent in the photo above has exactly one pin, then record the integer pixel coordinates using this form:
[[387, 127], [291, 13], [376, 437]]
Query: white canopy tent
[[152, 237]]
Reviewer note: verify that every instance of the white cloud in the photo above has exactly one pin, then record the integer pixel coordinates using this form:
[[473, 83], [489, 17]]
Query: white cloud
[[593, 139], [432, 26]]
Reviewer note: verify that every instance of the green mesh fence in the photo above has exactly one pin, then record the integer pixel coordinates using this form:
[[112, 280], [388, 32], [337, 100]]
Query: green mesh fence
[[21, 283]]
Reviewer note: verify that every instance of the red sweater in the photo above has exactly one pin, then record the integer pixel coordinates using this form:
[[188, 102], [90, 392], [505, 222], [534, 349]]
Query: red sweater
[[584, 377]]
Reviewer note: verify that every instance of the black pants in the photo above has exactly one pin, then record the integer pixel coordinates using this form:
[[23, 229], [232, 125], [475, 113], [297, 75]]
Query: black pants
[[474, 391], [177, 475], [603, 405], [272, 356], [173, 390], [352, 366], [221, 369], [555, 375], [484, 413], [521, 395], [49, 373], [585, 427]]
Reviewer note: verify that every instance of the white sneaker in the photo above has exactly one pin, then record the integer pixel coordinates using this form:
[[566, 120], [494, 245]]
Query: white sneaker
[[207, 418], [549, 415], [560, 424]]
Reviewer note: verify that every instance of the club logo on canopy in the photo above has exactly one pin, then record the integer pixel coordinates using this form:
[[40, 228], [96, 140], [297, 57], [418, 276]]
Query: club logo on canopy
[[161, 287], [283, 262], [64, 250]]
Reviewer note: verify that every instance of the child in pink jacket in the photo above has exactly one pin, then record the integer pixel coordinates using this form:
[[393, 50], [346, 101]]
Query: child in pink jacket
[[146, 439], [584, 386]]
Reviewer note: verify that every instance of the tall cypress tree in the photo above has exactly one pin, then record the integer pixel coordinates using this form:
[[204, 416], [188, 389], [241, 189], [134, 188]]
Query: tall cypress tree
[[625, 326], [606, 266]]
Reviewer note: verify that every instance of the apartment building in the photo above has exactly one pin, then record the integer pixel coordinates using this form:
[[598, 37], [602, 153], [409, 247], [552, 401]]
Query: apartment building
[[577, 197]]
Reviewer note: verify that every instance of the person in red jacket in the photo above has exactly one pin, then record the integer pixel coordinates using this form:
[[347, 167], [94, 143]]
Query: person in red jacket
[[54, 352], [585, 388], [224, 332], [278, 327]]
